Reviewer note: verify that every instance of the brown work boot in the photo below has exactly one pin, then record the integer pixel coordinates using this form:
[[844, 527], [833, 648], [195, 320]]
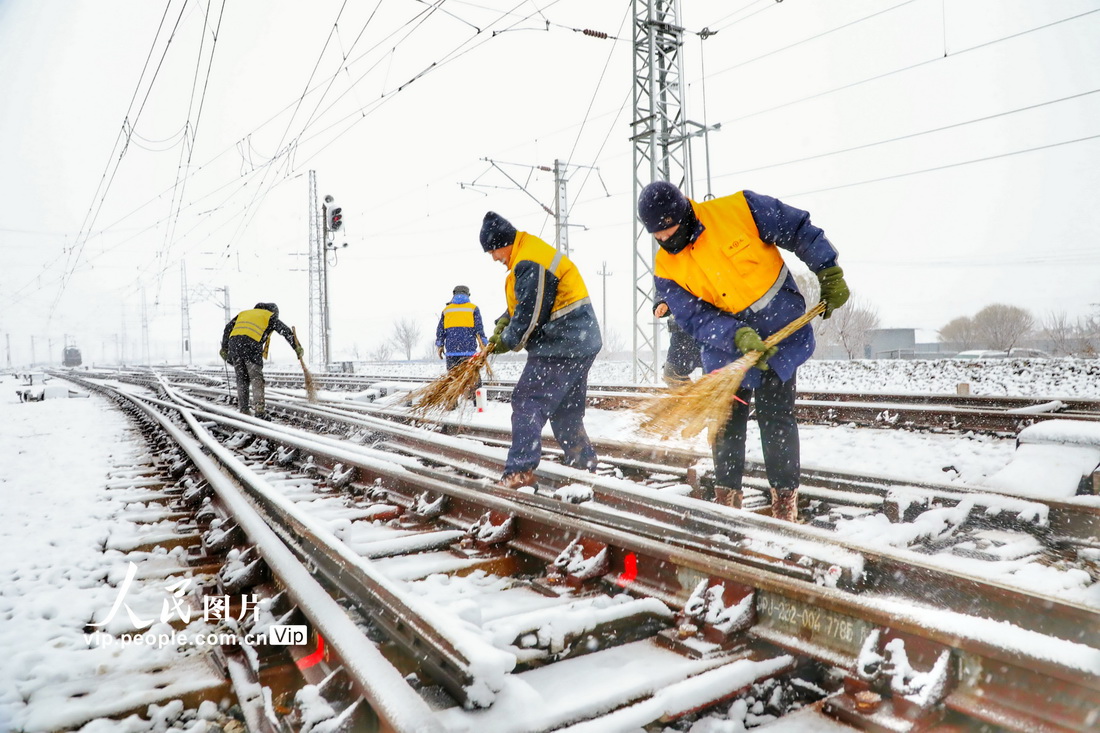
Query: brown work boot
[[518, 480], [785, 504], [728, 497]]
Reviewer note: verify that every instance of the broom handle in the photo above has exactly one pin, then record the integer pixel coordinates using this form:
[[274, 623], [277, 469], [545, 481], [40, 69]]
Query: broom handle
[[794, 325], [298, 345], [752, 357]]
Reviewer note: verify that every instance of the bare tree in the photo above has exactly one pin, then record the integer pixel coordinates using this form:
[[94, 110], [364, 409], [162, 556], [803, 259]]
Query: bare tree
[[961, 332], [1088, 336], [1002, 326], [850, 327], [613, 342], [382, 352], [1060, 332], [406, 334]]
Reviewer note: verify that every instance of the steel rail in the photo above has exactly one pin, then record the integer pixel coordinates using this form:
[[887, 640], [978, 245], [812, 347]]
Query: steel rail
[[1038, 614], [374, 676]]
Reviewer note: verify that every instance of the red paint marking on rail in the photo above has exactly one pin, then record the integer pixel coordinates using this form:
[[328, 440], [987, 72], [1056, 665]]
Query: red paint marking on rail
[[319, 654], [630, 570]]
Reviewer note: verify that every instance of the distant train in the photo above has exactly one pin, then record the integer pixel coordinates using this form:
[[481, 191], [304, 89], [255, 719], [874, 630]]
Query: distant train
[[72, 357]]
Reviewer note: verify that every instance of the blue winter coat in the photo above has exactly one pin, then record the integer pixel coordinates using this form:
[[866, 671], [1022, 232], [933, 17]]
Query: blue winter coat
[[459, 326], [779, 225]]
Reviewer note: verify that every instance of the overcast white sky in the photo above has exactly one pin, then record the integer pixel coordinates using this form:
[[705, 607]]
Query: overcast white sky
[[949, 148]]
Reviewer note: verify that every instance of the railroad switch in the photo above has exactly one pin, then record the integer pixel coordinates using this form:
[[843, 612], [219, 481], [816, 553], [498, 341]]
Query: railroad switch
[[711, 621], [887, 693]]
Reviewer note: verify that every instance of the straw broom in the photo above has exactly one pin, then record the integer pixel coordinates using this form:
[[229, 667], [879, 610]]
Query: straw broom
[[707, 403], [311, 386], [443, 394]]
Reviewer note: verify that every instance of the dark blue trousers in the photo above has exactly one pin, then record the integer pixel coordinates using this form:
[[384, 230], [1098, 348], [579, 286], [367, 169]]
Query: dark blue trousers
[[550, 388], [683, 352], [778, 435]]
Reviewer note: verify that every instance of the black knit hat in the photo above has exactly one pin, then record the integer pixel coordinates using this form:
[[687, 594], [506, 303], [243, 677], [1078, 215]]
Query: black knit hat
[[496, 232], [661, 206], [461, 289], [268, 307]]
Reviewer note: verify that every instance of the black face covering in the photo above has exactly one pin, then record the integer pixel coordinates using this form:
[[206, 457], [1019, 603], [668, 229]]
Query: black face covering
[[683, 236]]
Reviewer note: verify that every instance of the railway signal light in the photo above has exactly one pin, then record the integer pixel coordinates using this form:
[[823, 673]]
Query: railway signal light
[[335, 217]]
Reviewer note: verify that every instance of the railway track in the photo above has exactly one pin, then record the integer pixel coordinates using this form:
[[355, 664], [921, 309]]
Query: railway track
[[620, 570], [941, 413]]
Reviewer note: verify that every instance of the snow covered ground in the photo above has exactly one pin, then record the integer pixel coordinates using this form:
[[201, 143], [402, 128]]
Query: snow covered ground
[[58, 458], [1008, 377]]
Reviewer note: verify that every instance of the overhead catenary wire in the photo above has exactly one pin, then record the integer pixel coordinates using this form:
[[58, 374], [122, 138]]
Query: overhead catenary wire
[[344, 70]]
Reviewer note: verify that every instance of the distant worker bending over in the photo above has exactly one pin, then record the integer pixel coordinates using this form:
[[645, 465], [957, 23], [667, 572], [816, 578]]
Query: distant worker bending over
[[720, 271], [245, 343], [460, 333], [551, 316], [683, 356]]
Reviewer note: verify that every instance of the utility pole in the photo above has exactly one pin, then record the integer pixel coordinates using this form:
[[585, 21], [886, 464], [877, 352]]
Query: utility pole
[[329, 221], [144, 330], [318, 286], [560, 212], [604, 273], [33, 360], [7, 339], [659, 154], [561, 209], [324, 266], [185, 314]]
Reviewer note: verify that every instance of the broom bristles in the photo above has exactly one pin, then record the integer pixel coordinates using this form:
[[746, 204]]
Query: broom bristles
[[443, 394], [708, 402], [311, 384]]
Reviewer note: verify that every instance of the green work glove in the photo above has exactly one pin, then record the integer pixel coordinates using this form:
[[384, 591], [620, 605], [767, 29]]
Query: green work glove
[[502, 323], [747, 340], [834, 291], [496, 342], [224, 355]]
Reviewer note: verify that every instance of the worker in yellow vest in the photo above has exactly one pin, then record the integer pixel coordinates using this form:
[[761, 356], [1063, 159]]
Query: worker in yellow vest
[[721, 273], [245, 343], [460, 332], [551, 316]]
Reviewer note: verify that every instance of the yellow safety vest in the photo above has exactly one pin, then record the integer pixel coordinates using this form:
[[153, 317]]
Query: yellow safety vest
[[728, 266], [459, 315], [571, 293], [252, 323]]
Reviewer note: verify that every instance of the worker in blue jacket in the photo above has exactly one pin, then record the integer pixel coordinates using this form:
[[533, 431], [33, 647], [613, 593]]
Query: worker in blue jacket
[[720, 271], [460, 333], [551, 316]]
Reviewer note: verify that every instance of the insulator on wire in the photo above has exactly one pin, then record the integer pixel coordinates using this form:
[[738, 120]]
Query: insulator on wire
[[594, 34]]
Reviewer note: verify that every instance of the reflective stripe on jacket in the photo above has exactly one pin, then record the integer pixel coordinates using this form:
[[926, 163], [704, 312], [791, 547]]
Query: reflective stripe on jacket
[[729, 265], [459, 315], [769, 299], [252, 323], [571, 289], [460, 330], [551, 313]]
